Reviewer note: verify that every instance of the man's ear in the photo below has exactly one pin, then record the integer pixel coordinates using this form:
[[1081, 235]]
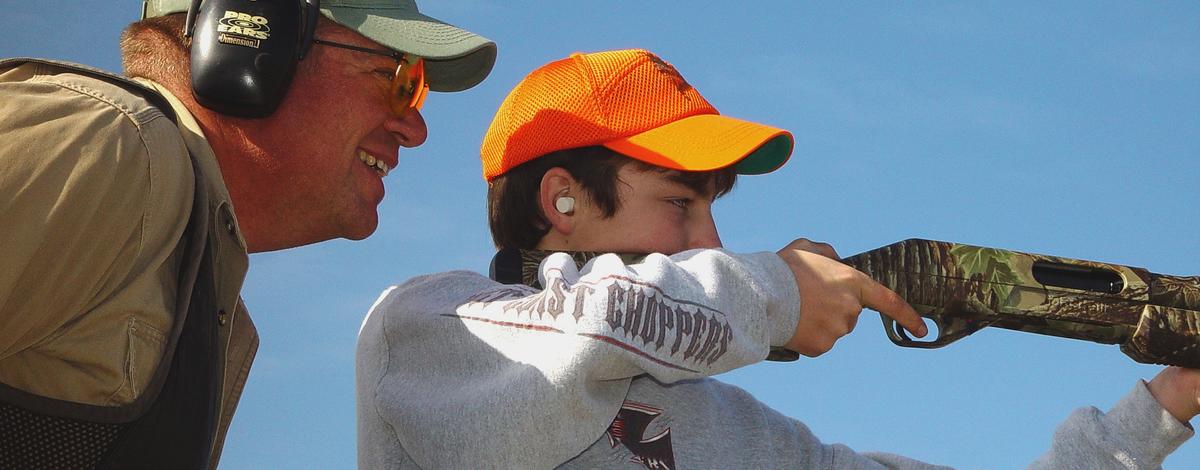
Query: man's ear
[[557, 196]]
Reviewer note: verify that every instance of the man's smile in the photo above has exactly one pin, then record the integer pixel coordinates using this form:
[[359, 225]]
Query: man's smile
[[376, 163]]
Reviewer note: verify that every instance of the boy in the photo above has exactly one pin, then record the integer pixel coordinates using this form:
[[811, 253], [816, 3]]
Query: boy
[[608, 365]]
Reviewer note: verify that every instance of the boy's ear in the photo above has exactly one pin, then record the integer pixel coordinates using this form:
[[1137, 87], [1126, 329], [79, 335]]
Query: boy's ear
[[558, 183]]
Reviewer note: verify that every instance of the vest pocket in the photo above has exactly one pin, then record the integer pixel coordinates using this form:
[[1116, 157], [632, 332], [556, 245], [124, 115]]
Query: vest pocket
[[142, 357]]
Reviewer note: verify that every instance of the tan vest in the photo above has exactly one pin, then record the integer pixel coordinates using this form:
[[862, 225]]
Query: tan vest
[[98, 189]]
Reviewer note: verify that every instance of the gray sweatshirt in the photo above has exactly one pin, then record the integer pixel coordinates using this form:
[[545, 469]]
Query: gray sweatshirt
[[608, 368]]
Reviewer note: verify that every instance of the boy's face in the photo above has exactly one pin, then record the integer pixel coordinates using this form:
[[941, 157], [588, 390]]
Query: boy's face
[[656, 214]]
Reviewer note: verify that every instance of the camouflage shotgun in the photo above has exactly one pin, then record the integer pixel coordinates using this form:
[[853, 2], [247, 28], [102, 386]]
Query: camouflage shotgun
[[962, 289]]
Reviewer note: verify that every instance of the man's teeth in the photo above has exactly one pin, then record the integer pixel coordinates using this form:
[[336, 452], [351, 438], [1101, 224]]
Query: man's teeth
[[371, 161]]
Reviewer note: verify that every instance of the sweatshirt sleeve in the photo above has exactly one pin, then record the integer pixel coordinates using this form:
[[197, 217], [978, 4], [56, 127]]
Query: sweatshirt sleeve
[[722, 426], [455, 370], [1136, 434]]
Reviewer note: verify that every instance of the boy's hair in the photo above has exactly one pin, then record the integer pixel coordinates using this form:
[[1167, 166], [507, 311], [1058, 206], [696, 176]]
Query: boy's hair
[[515, 216]]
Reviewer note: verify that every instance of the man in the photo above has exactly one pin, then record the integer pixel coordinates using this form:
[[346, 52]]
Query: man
[[129, 209], [608, 365]]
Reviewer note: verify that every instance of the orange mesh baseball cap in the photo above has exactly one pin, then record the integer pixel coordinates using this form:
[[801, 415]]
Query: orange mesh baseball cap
[[632, 102]]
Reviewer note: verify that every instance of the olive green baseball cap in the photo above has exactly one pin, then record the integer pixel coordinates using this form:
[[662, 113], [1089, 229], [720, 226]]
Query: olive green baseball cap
[[455, 59]]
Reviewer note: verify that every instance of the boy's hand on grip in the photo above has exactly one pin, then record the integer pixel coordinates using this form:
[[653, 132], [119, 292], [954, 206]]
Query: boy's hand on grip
[[832, 295]]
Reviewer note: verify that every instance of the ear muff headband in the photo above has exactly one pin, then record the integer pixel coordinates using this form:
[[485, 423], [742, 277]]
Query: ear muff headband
[[310, 28], [244, 53]]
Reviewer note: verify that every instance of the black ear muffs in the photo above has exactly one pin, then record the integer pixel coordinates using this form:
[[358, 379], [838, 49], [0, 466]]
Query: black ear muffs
[[244, 52]]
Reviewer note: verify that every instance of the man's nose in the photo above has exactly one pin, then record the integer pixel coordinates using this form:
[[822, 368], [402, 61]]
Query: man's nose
[[409, 129]]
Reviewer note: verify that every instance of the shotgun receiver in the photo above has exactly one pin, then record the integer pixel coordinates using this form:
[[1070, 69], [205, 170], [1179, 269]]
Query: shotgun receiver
[[962, 289]]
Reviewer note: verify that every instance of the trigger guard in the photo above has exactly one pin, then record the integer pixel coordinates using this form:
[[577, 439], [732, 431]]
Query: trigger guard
[[901, 338]]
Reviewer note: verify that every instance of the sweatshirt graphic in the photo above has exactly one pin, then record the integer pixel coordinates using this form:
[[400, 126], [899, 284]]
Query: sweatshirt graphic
[[629, 429], [638, 317]]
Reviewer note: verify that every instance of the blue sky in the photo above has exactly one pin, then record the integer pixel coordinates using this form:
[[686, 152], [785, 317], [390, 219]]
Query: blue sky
[[1066, 128]]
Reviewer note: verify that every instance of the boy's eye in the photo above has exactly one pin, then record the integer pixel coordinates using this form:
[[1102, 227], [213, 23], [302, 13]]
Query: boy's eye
[[681, 203]]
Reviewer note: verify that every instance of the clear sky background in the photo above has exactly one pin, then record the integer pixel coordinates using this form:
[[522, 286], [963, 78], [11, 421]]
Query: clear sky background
[[1066, 128]]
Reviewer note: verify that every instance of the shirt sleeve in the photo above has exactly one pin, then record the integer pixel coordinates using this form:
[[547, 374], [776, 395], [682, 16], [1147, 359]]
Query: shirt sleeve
[[1136, 434], [450, 361], [79, 189]]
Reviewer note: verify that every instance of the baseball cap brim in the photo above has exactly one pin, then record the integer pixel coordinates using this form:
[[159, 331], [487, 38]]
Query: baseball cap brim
[[708, 142], [455, 59]]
